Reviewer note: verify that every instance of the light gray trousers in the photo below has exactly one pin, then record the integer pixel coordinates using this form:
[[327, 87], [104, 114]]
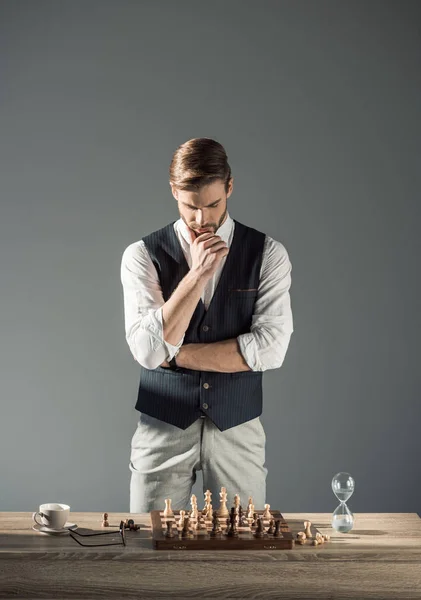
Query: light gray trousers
[[164, 460]]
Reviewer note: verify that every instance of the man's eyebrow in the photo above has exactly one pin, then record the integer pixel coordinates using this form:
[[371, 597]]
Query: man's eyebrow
[[193, 206]]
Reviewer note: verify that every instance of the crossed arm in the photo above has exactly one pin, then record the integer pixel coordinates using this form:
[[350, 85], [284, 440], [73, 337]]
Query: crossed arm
[[222, 357], [153, 341]]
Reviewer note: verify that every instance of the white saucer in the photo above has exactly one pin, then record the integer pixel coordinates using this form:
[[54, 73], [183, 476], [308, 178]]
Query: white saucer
[[45, 529]]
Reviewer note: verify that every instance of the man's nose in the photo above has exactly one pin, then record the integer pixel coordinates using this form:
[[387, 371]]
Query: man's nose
[[199, 217]]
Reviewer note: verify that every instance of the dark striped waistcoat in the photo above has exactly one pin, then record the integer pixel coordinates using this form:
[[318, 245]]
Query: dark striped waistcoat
[[228, 399]]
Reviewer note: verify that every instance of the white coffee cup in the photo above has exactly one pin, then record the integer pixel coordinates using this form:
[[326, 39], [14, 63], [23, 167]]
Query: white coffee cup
[[52, 515]]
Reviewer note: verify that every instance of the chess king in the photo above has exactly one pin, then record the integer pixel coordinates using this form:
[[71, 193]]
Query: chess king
[[207, 310]]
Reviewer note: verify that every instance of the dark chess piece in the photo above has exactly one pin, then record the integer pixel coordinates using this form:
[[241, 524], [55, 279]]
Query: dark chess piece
[[278, 532], [186, 528], [216, 528], [242, 520], [260, 532], [169, 532], [271, 528], [232, 531], [254, 522], [227, 521]]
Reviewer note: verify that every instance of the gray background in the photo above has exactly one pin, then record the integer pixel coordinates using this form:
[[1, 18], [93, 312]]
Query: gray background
[[318, 106]]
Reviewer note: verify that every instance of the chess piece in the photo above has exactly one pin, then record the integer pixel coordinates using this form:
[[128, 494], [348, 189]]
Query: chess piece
[[278, 532], [208, 500], [168, 512], [307, 526], [194, 513], [209, 513], [249, 503], [201, 528], [250, 511], [216, 528], [254, 523], [260, 532], [181, 519], [169, 531], [232, 531], [326, 537], [271, 528], [185, 532], [266, 513], [320, 538], [301, 537], [223, 510], [227, 522], [105, 520], [315, 542], [242, 520]]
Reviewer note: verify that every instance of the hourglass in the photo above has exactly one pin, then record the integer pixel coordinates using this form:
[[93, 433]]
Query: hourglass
[[343, 486]]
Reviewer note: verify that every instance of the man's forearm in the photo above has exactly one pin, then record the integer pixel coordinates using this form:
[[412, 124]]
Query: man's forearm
[[178, 310], [221, 357]]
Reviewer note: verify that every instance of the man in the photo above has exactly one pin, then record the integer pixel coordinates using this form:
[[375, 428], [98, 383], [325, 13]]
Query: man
[[207, 310]]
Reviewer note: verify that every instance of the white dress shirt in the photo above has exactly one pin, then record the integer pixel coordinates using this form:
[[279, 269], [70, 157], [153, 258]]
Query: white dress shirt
[[264, 347]]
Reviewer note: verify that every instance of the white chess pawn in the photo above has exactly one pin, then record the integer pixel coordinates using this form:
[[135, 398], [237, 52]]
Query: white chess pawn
[[181, 519], [266, 513], [209, 513], [168, 512], [236, 500], [250, 511], [250, 502]]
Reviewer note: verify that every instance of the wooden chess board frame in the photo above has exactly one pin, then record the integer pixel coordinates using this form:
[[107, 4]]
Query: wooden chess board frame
[[244, 541]]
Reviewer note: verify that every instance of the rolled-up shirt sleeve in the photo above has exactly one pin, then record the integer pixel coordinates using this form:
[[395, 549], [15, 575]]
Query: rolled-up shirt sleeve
[[265, 346], [143, 301]]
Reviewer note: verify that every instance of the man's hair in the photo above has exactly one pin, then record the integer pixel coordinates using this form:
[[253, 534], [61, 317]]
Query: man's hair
[[199, 162]]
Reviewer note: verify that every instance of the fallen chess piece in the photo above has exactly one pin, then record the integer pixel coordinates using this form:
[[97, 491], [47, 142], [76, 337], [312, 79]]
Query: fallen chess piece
[[105, 520], [326, 537], [301, 537], [320, 538], [315, 542]]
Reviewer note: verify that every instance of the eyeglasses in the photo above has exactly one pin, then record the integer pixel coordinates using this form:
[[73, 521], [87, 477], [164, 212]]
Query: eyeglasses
[[120, 532]]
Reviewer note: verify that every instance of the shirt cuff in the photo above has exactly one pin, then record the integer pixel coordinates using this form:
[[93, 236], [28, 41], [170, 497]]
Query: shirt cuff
[[248, 348], [170, 348]]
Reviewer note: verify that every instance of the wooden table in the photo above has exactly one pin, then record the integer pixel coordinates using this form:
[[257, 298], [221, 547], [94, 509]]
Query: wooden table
[[379, 558]]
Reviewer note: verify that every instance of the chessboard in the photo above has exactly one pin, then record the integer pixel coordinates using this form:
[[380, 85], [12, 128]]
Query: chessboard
[[244, 540]]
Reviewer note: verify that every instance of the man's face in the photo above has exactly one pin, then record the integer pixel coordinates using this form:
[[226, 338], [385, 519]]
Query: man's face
[[205, 210]]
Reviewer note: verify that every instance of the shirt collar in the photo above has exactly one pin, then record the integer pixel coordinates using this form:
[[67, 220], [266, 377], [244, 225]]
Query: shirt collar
[[224, 231]]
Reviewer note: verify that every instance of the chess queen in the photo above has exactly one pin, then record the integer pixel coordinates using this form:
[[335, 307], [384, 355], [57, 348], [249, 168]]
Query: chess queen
[[206, 310]]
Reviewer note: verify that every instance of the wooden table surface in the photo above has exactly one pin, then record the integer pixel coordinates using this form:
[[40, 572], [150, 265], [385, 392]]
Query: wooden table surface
[[379, 558]]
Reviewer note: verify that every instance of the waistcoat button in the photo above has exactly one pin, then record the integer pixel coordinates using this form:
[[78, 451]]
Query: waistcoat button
[[204, 405], [206, 386], [205, 328]]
